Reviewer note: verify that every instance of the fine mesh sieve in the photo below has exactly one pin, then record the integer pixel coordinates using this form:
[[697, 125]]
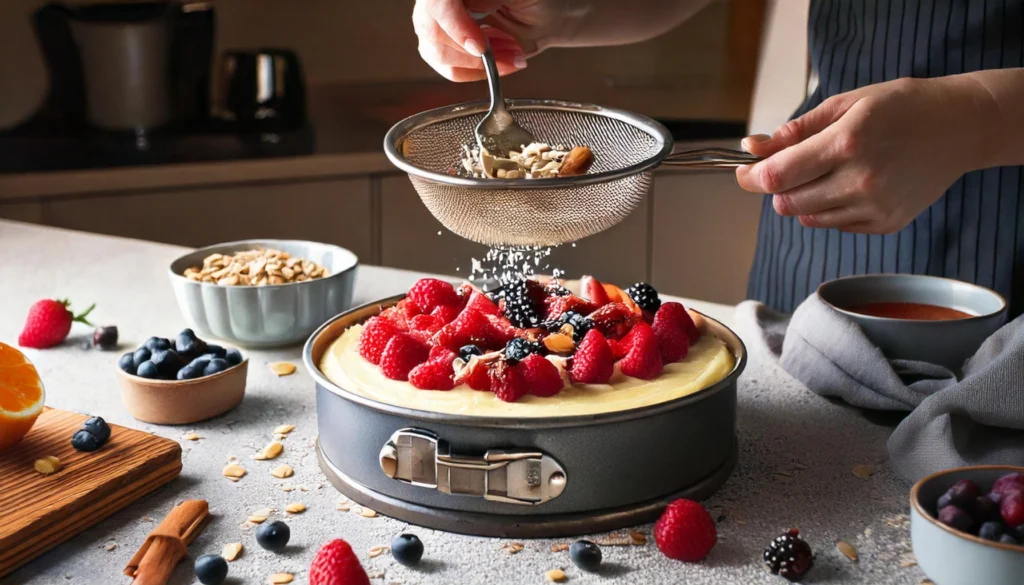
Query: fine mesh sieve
[[538, 212]]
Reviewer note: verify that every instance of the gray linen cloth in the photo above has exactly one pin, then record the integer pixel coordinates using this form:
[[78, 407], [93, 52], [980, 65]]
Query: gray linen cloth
[[975, 419]]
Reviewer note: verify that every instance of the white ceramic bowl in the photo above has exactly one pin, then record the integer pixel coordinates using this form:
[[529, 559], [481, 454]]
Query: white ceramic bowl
[[271, 315], [951, 557]]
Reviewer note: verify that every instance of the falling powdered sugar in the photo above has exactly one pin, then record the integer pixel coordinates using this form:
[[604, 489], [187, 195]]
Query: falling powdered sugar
[[507, 264]]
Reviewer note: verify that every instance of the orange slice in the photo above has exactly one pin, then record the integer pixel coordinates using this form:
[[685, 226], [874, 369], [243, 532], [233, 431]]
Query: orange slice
[[21, 396]]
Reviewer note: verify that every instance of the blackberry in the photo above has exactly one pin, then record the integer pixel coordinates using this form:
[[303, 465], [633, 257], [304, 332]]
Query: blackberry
[[644, 295], [518, 349], [789, 556], [553, 289], [519, 305]]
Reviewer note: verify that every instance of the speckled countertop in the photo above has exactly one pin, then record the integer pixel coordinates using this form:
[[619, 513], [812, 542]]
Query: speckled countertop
[[797, 454]]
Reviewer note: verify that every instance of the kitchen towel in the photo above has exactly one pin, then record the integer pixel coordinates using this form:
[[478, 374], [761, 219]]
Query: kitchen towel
[[974, 419]]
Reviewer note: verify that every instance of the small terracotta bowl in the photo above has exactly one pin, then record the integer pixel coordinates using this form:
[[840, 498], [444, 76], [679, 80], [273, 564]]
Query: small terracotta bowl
[[179, 402], [951, 557]]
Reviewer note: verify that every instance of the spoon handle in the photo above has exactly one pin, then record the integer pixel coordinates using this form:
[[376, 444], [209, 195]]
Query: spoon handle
[[493, 82]]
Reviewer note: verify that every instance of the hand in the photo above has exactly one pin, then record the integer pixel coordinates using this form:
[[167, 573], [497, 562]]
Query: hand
[[870, 160], [451, 41]]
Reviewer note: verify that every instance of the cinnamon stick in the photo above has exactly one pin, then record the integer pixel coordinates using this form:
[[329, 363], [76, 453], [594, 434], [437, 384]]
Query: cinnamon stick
[[168, 543]]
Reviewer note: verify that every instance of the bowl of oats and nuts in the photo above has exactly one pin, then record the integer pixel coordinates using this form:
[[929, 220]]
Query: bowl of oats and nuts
[[263, 293]]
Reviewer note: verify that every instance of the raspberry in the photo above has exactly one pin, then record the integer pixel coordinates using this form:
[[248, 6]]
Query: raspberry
[[540, 375], [558, 306], [470, 327], [336, 564], [592, 363], [619, 347], [376, 334], [430, 293], [614, 320], [407, 308], [436, 373], [445, 314], [673, 341], [643, 360], [507, 383], [479, 302], [476, 376], [1011, 508], [501, 331], [675, 312], [685, 531], [401, 355], [428, 324]]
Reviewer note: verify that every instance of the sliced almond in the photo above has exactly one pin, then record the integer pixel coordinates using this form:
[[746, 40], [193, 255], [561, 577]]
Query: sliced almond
[[847, 550], [556, 576], [513, 547], [559, 343], [863, 471], [559, 547], [376, 551], [47, 465], [638, 538], [282, 368], [191, 437], [345, 504], [366, 512], [234, 471], [577, 162], [281, 578], [110, 546], [231, 551], [283, 429], [295, 508], [282, 471], [272, 450]]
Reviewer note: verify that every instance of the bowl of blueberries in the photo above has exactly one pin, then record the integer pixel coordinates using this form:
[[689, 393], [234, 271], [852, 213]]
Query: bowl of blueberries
[[181, 381], [967, 525]]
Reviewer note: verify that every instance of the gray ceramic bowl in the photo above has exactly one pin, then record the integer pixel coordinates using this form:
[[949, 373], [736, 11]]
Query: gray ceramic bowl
[[951, 557], [265, 316], [948, 343]]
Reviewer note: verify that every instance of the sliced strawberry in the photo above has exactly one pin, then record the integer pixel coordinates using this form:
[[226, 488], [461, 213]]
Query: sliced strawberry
[[643, 360], [541, 376], [401, 355], [557, 306], [614, 320], [592, 290], [592, 363], [374, 337]]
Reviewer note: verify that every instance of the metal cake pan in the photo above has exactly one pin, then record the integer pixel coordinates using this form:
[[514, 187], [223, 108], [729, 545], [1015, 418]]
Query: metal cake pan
[[531, 477]]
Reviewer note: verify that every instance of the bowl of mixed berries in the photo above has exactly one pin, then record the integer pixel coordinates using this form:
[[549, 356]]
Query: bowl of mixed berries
[[967, 525]]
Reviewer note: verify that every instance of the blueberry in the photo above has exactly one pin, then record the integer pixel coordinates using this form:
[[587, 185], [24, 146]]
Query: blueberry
[[1018, 533], [186, 332], [127, 362], [964, 493], [147, 369], [273, 536], [991, 530], [141, 355], [985, 510], [155, 343], [216, 350], [83, 440], [167, 362], [517, 349], [956, 518], [407, 549], [211, 569], [233, 356], [188, 344], [99, 427], [200, 362], [1007, 539], [468, 351], [190, 372], [105, 337], [585, 555], [216, 365]]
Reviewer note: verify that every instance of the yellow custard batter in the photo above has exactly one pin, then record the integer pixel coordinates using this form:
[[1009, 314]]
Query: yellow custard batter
[[708, 362]]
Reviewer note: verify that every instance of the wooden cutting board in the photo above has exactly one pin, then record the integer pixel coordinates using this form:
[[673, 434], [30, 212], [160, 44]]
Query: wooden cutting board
[[38, 512]]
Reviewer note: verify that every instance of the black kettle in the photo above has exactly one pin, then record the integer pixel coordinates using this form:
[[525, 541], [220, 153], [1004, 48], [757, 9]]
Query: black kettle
[[263, 90]]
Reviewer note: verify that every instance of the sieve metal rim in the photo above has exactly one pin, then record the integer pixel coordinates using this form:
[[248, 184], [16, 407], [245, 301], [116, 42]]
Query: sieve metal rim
[[394, 137]]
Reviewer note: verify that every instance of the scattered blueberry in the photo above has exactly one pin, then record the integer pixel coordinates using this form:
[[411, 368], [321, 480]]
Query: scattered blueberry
[[211, 569], [585, 555], [991, 530], [105, 337], [1008, 539], [215, 366], [147, 369], [407, 549], [273, 536], [191, 372], [83, 440], [954, 517], [155, 343], [233, 357], [167, 362], [468, 351], [141, 355], [127, 363], [98, 427], [985, 510], [216, 350]]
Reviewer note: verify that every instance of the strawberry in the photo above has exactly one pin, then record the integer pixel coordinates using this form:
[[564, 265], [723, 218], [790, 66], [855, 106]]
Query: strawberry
[[675, 312], [445, 314], [480, 302], [673, 339], [428, 324], [558, 306], [592, 290], [614, 320], [540, 375], [436, 373], [401, 355], [643, 359], [336, 564], [49, 323], [430, 293], [476, 375], [592, 363], [1011, 508], [507, 383], [685, 531], [376, 334]]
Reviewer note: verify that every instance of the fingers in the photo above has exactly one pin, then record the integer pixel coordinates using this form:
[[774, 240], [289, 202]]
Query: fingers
[[450, 55], [790, 168], [454, 19], [800, 129]]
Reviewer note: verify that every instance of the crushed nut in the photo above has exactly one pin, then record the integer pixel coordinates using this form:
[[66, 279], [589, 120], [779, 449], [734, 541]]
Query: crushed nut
[[282, 471], [234, 472], [513, 547], [191, 437], [295, 508], [282, 368], [255, 268], [556, 576], [283, 429], [376, 551], [863, 471], [231, 551], [48, 465], [847, 550], [638, 538], [559, 547], [281, 578]]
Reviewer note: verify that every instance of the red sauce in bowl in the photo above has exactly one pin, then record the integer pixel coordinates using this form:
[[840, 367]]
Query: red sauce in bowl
[[909, 311]]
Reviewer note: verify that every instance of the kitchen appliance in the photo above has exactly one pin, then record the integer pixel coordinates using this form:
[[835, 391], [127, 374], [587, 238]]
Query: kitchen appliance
[[522, 478], [263, 90]]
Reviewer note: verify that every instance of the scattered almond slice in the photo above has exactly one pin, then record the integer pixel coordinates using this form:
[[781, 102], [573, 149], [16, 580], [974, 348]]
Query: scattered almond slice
[[256, 519], [271, 451], [344, 504], [283, 429], [47, 465], [638, 538], [847, 550], [233, 472], [513, 547], [281, 578], [282, 368], [556, 576], [295, 508], [376, 551], [191, 437], [231, 551], [247, 525], [110, 546], [375, 574], [559, 547], [287, 488], [863, 471], [282, 471], [908, 560], [366, 512]]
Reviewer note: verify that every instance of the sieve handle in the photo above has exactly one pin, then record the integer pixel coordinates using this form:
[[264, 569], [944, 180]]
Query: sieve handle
[[710, 158]]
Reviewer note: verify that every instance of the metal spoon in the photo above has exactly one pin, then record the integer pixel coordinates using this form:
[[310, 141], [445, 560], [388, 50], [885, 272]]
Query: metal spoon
[[498, 132]]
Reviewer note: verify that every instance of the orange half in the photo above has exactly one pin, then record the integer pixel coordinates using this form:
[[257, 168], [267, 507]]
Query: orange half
[[21, 395]]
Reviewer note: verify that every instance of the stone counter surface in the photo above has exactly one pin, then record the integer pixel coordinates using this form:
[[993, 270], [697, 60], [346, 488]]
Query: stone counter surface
[[797, 454]]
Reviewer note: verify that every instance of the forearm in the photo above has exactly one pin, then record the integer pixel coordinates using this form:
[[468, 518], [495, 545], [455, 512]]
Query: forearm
[[591, 23], [996, 110]]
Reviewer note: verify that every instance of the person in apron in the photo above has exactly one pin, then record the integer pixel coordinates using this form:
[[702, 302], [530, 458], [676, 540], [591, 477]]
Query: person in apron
[[907, 157]]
